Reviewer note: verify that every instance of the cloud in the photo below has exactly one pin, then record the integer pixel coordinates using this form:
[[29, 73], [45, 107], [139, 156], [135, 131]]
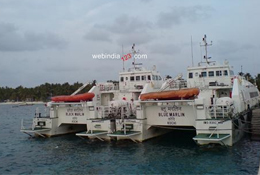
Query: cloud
[[165, 49], [179, 14], [11, 39], [96, 34], [62, 68], [124, 30], [226, 47], [6, 28], [145, 1], [125, 24], [137, 38]]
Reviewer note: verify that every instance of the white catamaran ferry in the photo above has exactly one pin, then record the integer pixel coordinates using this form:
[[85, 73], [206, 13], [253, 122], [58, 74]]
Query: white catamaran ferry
[[106, 111], [219, 113], [141, 106]]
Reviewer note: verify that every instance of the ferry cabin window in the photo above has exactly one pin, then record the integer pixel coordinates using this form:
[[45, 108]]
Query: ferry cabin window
[[156, 77], [203, 74], [160, 78], [253, 94], [153, 77], [126, 78], [137, 78], [132, 78], [149, 77], [122, 79], [196, 74], [211, 73], [225, 73], [143, 78], [218, 73], [190, 75]]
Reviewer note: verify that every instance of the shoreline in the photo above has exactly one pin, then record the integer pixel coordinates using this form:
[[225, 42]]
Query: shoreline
[[22, 103]]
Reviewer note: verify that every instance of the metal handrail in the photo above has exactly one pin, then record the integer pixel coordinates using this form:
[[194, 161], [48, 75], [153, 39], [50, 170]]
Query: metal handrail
[[217, 111], [26, 122], [108, 88], [216, 129]]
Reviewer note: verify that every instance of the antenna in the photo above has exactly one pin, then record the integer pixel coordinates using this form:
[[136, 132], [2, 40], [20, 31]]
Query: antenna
[[134, 52], [192, 51], [204, 39]]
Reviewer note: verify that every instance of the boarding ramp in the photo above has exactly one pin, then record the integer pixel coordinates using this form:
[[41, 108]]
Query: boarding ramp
[[30, 127]]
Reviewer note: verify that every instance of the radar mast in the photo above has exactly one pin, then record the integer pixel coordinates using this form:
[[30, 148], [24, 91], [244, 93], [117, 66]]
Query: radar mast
[[204, 39]]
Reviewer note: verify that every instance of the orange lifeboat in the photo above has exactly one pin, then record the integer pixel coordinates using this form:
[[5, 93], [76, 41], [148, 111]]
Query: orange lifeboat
[[171, 95], [73, 98]]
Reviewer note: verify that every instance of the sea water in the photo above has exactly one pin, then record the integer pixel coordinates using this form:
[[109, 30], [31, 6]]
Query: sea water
[[174, 153]]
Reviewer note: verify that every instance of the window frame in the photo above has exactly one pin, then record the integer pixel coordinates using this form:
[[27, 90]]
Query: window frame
[[225, 72], [190, 75], [211, 73], [132, 78], [218, 73], [204, 74]]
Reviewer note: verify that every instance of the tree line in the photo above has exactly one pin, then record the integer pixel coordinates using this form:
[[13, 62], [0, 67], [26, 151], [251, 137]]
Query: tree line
[[254, 80], [40, 93]]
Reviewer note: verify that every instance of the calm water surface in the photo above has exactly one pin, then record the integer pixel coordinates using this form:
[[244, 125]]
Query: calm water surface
[[174, 153]]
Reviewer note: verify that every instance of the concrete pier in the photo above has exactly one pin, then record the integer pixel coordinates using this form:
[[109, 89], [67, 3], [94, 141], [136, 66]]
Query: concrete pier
[[259, 170], [255, 125]]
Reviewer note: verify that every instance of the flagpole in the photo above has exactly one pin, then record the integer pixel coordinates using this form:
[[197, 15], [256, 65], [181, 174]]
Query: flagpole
[[192, 52], [123, 59]]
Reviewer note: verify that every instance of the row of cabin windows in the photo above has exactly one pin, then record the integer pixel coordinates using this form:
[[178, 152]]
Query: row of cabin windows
[[217, 73], [141, 78]]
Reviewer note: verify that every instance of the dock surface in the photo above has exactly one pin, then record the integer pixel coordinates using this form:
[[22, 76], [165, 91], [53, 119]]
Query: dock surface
[[255, 125]]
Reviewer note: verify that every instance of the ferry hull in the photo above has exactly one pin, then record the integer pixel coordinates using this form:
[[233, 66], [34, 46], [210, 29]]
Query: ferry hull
[[49, 127], [131, 129]]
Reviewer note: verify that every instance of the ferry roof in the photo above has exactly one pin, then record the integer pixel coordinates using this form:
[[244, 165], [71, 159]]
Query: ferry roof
[[137, 70], [210, 66]]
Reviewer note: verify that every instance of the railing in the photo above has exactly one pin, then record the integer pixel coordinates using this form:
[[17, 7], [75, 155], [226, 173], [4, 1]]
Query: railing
[[42, 113], [108, 87], [178, 85], [215, 131], [103, 111], [114, 112], [219, 111], [26, 124]]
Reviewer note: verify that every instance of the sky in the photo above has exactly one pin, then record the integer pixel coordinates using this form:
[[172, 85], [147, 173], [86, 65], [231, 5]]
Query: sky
[[53, 41]]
